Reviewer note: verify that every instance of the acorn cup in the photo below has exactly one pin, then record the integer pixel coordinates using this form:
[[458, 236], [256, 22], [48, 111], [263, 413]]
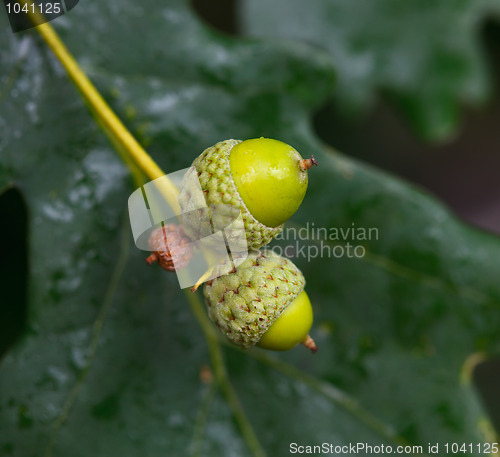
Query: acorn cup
[[264, 179], [262, 302]]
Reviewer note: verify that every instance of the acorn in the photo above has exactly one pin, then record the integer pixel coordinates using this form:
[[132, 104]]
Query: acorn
[[263, 179], [170, 247], [262, 302]]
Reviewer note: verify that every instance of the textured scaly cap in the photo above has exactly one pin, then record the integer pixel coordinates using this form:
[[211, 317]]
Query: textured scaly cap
[[244, 304], [221, 197]]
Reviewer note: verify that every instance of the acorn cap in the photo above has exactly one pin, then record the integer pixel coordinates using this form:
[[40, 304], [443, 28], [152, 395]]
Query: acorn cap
[[221, 197], [245, 303]]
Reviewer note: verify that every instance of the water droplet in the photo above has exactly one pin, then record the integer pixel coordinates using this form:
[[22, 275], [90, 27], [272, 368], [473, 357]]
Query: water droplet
[[32, 112], [57, 374], [79, 357]]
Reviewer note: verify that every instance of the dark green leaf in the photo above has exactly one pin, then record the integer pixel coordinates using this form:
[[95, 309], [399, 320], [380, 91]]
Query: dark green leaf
[[110, 361]]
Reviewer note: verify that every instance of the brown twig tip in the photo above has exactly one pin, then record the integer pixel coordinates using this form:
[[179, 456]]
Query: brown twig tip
[[152, 258], [310, 344], [305, 164]]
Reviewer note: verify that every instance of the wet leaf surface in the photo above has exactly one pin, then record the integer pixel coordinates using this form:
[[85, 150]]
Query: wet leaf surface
[[110, 361]]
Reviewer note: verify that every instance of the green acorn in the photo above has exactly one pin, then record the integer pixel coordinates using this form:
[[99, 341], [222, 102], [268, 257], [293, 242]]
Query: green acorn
[[265, 179], [262, 302]]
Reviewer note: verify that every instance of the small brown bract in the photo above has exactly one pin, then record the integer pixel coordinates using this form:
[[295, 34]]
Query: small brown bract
[[170, 247]]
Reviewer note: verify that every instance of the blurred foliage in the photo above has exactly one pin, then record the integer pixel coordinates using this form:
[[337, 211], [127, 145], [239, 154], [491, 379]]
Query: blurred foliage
[[425, 55], [110, 361]]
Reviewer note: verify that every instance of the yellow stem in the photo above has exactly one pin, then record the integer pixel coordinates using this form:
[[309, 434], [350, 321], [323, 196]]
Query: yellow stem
[[129, 146], [106, 115], [202, 279]]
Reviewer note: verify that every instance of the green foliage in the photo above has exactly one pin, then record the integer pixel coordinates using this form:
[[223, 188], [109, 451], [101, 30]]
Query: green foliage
[[424, 54], [110, 361]]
